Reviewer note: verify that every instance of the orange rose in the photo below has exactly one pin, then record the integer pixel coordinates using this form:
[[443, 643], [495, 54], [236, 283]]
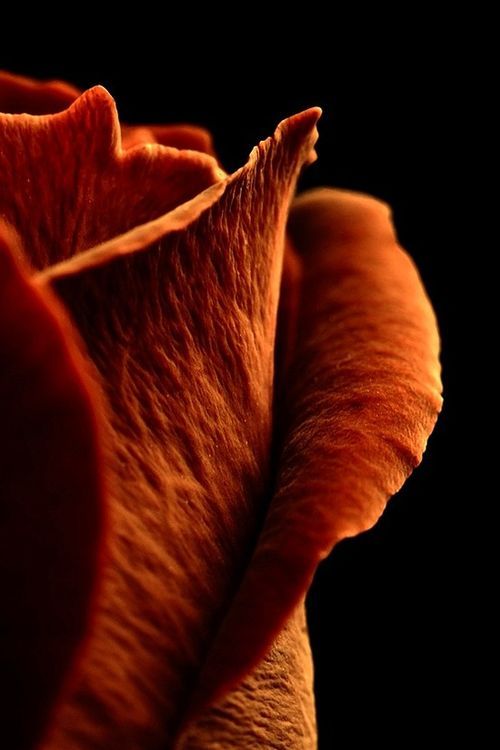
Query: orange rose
[[172, 471]]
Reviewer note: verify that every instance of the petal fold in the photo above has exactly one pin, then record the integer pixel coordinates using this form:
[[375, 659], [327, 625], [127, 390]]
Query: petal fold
[[179, 317], [362, 396], [23, 95], [19, 94], [52, 494], [66, 183]]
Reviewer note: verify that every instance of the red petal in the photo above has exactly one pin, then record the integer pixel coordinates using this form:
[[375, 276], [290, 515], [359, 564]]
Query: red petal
[[288, 314], [363, 396], [19, 94], [178, 136], [179, 317], [66, 184], [51, 493]]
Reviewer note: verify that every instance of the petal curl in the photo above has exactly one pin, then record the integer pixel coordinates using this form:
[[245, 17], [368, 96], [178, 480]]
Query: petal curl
[[363, 394], [19, 94], [51, 491], [66, 184], [179, 317]]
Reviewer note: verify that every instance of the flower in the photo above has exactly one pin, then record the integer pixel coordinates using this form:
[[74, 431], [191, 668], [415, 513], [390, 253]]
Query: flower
[[171, 474]]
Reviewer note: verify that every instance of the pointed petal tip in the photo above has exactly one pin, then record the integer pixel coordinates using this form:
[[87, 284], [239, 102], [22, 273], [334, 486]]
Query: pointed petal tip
[[304, 126], [97, 96], [301, 133], [311, 115], [303, 122], [314, 113], [97, 92]]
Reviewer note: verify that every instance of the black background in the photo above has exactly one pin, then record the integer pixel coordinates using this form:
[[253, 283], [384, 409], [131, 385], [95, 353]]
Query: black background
[[386, 609]]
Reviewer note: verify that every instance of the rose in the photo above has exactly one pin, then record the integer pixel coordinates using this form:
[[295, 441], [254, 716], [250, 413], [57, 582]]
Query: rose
[[156, 547]]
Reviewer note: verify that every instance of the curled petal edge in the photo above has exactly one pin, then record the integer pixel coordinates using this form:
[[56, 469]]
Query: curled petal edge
[[53, 499], [362, 396], [227, 245]]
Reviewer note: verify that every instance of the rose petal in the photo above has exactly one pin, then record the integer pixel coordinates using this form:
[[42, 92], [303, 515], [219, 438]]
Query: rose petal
[[66, 184], [181, 136], [19, 94], [51, 494], [363, 394], [179, 317], [286, 334], [272, 707]]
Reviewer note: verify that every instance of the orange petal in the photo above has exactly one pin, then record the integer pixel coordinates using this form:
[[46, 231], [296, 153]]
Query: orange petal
[[66, 184], [363, 394], [19, 94], [179, 316], [51, 493], [286, 334], [272, 707], [181, 136]]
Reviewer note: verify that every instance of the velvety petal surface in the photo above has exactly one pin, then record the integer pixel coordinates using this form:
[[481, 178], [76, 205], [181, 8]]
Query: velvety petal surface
[[19, 94], [178, 136], [66, 183], [51, 499], [362, 396], [201, 593], [179, 317]]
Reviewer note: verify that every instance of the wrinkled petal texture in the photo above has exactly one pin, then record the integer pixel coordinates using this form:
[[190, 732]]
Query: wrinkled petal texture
[[273, 706], [362, 397], [19, 94], [171, 272], [79, 186], [365, 390], [181, 328], [51, 495]]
